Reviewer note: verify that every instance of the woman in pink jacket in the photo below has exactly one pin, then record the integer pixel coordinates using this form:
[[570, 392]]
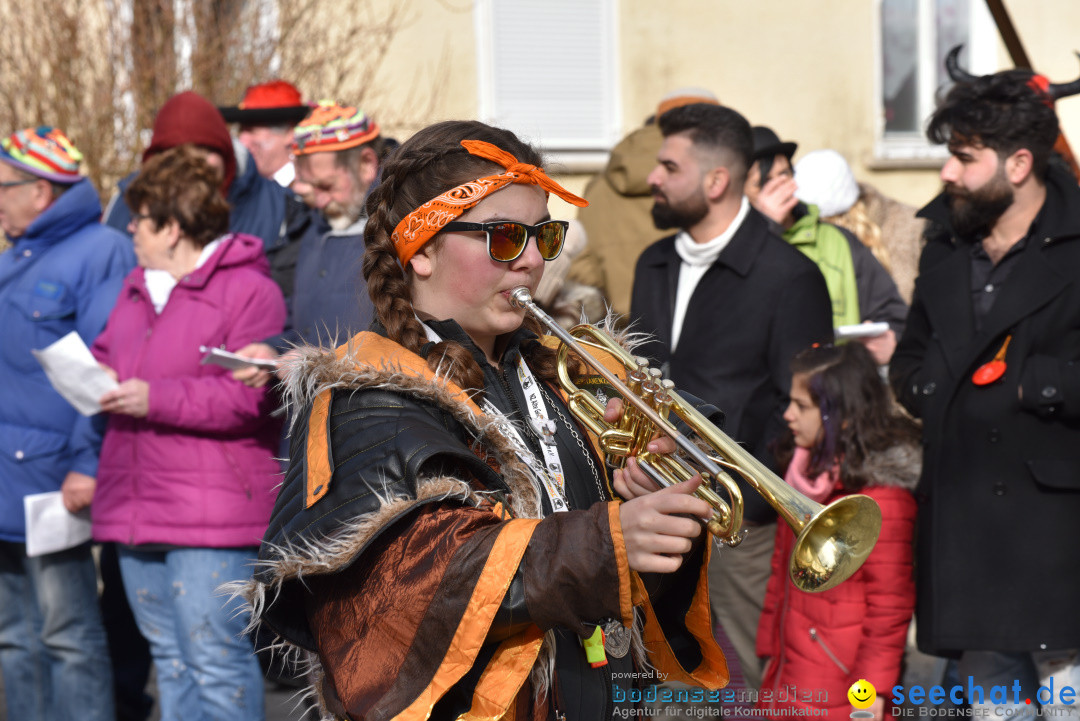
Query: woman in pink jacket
[[846, 437], [186, 477]]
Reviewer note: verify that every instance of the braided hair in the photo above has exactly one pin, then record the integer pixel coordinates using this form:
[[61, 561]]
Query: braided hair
[[425, 166]]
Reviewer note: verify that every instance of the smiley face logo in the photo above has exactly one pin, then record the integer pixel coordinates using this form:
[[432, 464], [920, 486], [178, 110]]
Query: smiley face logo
[[862, 694]]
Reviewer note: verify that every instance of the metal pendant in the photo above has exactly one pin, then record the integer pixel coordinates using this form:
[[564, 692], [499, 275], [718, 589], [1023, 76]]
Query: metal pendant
[[617, 638], [543, 430]]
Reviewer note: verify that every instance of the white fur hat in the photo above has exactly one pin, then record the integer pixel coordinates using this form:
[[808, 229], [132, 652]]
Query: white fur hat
[[825, 180]]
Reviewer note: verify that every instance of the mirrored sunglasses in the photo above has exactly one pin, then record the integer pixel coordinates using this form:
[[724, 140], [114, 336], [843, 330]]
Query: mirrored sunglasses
[[506, 240]]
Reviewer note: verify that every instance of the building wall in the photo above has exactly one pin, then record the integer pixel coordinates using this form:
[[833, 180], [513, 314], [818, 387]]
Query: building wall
[[430, 71], [805, 69], [809, 73]]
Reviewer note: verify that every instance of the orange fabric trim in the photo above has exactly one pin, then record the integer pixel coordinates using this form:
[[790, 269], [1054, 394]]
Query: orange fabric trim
[[712, 672], [424, 223], [503, 678], [622, 562], [374, 350], [378, 351], [317, 459], [499, 569]]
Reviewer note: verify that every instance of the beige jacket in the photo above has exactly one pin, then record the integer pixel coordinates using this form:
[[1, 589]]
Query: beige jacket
[[901, 234], [618, 221]]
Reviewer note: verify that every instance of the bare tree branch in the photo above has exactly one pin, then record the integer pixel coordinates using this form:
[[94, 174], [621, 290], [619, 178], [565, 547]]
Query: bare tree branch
[[100, 69]]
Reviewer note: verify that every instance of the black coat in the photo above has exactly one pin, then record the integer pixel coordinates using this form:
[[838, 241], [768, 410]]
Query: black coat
[[999, 518], [758, 305]]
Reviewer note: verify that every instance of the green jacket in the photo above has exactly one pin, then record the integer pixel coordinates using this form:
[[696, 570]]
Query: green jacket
[[827, 246]]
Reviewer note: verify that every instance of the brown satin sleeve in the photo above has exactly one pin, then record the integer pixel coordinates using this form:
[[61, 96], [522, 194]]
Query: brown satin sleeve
[[383, 625], [571, 573]]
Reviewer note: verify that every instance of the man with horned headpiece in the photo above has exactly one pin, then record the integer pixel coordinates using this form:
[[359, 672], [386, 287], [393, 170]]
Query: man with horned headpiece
[[989, 362]]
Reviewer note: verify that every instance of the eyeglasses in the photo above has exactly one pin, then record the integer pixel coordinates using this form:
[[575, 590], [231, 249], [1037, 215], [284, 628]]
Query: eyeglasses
[[13, 183], [136, 218], [506, 240]]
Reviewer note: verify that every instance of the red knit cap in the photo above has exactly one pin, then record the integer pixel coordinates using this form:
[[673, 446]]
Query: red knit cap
[[190, 118]]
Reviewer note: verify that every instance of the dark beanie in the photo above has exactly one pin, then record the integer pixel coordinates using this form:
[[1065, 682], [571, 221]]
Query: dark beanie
[[190, 118]]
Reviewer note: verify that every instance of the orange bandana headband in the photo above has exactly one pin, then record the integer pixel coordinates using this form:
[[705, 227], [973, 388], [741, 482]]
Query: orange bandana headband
[[424, 223]]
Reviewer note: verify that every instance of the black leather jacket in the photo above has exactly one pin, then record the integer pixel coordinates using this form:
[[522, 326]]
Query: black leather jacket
[[395, 438]]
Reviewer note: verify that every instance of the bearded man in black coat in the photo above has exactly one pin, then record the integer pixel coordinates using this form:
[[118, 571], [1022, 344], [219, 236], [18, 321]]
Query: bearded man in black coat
[[729, 304], [989, 362]]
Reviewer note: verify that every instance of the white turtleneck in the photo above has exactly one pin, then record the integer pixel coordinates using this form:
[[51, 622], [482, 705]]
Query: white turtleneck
[[160, 283], [696, 259]]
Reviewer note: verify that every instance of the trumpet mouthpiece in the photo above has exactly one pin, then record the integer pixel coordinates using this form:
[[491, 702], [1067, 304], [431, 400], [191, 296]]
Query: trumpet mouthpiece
[[520, 297]]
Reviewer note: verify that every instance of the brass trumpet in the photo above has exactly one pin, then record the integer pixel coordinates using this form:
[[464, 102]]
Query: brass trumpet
[[832, 541]]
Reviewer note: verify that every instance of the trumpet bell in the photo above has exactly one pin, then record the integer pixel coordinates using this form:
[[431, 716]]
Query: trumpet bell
[[834, 543]]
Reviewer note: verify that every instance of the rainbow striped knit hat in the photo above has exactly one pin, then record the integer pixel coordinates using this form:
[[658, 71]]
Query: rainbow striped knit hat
[[44, 152], [333, 127]]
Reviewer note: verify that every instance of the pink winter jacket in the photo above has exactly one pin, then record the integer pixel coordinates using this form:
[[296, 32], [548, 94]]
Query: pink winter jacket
[[199, 469]]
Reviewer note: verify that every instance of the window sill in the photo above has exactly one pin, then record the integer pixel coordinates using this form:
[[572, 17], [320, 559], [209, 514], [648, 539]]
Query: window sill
[[915, 163], [908, 151]]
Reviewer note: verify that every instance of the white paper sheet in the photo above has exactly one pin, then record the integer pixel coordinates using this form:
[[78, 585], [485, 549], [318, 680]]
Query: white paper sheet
[[861, 330], [74, 373], [232, 361], [50, 527]]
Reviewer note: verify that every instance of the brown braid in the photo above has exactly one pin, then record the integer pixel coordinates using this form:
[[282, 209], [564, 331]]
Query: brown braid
[[428, 164]]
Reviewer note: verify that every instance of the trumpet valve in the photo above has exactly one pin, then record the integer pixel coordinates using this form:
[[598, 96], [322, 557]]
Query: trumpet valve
[[662, 402], [616, 444], [734, 540], [636, 374]]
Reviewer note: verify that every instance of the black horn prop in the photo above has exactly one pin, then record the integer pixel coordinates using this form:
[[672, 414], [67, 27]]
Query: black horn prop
[[1057, 91], [1063, 90], [952, 64]]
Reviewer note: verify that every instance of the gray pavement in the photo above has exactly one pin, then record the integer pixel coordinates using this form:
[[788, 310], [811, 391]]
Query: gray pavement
[[281, 701], [280, 704]]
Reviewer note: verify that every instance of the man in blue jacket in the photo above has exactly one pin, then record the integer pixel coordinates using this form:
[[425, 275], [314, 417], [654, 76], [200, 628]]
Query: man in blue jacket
[[62, 274]]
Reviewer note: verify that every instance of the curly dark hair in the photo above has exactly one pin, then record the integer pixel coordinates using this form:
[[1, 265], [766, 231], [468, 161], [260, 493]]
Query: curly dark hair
[[858, 414], [1003, 112], [426, 165], [179, 184]]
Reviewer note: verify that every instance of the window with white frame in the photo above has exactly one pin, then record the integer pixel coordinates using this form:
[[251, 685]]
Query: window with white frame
[[915, 36], [548, 72]]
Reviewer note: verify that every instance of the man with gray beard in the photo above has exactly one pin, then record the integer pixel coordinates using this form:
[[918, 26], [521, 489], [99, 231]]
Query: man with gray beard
[[337, 153]]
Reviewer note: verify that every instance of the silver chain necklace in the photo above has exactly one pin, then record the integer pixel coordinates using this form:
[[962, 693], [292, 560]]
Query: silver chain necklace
[[617, 637]]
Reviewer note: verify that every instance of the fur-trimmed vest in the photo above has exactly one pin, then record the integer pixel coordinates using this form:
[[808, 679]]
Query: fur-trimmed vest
[[410, 553]]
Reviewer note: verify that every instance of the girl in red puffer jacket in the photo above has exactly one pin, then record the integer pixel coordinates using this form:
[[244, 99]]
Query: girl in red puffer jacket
[[846, 436]]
